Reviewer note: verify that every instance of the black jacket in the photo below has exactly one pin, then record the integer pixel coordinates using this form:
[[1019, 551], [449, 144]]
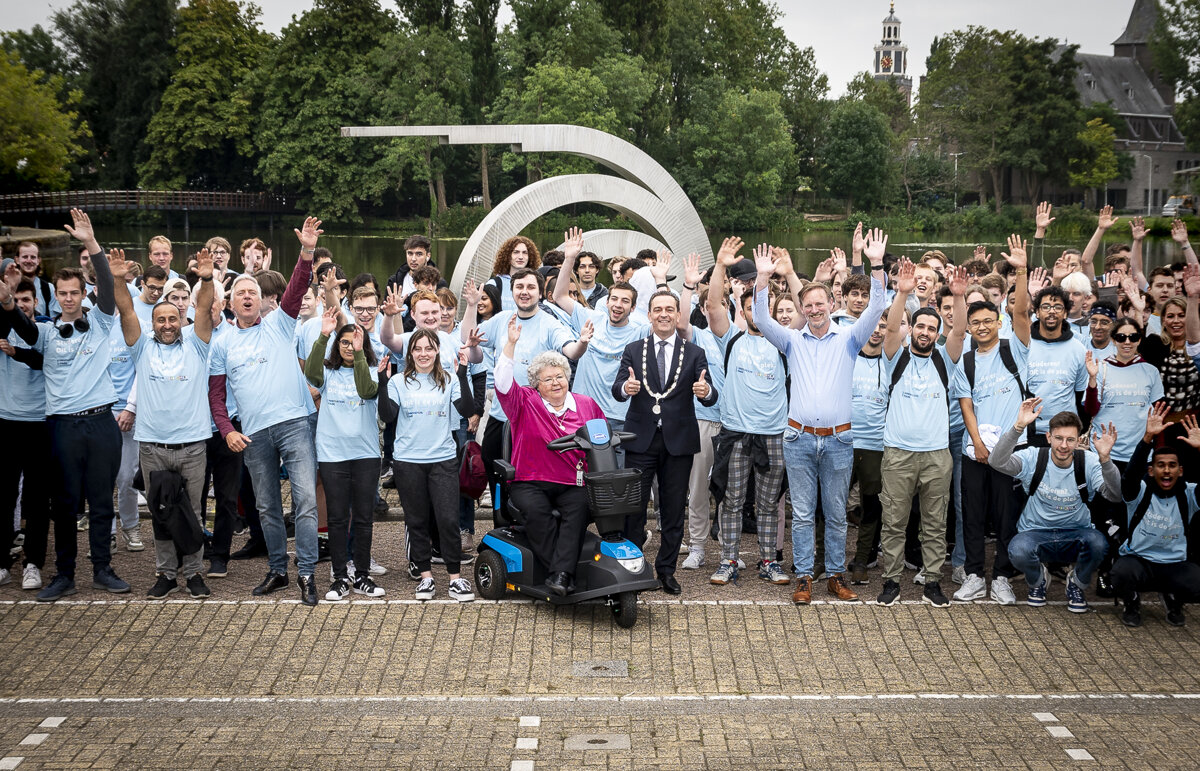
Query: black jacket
[[681, 433]]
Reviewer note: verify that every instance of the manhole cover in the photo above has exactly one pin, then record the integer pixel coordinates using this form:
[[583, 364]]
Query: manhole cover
[[597, 742], [619, 668]]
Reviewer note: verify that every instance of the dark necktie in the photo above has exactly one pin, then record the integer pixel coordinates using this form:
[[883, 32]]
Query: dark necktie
[[662, 363]]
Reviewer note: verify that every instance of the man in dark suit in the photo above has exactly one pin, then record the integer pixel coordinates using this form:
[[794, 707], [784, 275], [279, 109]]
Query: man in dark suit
[[660, 374]]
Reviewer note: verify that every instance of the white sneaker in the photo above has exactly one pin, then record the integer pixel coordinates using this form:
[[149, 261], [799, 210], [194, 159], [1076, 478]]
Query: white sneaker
[[1002, 591], [425, 589], [694, 560], [5, 576], [460, 589], [377, 569], [973, 588], [133, 538], [959, 575], [919, 578], [685, 549], [349, 572], [31, 578]]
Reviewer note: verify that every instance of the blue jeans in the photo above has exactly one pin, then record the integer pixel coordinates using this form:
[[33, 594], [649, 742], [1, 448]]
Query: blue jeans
[[808, 458], [958, 557], [1083, 546], [291, 442]]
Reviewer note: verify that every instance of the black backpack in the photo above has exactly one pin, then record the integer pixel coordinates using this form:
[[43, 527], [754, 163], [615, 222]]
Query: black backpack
[[1043, 461], [902, 364], [787, 377], [1010, 364]]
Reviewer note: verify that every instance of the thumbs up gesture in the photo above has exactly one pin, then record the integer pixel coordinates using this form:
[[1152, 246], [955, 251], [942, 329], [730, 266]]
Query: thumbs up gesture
[[701, 388], [632, 385]]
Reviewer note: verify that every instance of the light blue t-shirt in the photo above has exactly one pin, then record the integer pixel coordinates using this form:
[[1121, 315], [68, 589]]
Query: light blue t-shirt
[[76, 367], [598, 366], [1099, 354], [918, 415], [306, 334], [996, 397], [347, 427], [259, 363], [1160, 536], [1126, 394], [869, 389], [223, 328], [1057, 503], [755, 396], [172, 389], [121, 361], [507, 303], [448, 345], [539, 333], [144, 311], [715, 355], [1056, 372], [424, 429], [24, 388], [1154, 325]]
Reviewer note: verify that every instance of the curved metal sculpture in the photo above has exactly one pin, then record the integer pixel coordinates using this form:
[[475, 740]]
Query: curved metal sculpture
[[644, 191], [609, 242]]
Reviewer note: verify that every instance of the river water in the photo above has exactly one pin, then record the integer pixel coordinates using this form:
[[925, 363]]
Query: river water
[[382, 255]]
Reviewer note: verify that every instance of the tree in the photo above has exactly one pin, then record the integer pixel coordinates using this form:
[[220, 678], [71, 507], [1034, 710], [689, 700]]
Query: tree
[[38, 137], [479, 37], [1096, 165], [735, 158], [885, 97], [1175, 46], [119, 55], [312, 86], [202, 134], [37, 51], [855, 156]]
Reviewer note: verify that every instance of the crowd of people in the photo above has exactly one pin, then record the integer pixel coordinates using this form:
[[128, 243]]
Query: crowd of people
[[1060, 402]]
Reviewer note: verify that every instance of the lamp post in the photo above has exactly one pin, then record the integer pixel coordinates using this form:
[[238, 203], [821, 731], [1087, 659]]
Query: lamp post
[[1150, 187], [956, 156]]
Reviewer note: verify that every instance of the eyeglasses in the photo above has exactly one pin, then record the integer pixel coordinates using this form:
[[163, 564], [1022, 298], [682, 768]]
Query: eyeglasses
[[1046, 308], [362, 311], [1131, 337], [219, 251], [66, 330], [346, 343], [552, 378], [152, 289], [983, 323]]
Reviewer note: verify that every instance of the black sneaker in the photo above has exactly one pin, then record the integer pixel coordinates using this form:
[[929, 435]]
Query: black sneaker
[[196, 586], [1132, 614], [254, 548], [60, 586], [273, 582], [323, 554], [933, 595], [890, 593], [162, 587], [107, 579], [1175, 615], [308, 589], [1104, 587], [413, 573], [338, 590], [365, 586], [217, 568]]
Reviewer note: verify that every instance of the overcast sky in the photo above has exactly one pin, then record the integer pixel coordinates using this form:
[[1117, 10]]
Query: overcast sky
[[843, 40]]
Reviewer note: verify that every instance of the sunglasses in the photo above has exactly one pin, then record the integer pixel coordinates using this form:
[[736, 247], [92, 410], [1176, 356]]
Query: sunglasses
[[66, 330], [1131, 337]]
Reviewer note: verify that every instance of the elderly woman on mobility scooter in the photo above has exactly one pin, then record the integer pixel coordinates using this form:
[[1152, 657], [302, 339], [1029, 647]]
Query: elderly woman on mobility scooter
[[547, 480]]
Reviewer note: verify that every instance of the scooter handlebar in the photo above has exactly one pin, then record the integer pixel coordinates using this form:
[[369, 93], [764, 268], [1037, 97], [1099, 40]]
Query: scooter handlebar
[[563, 443]]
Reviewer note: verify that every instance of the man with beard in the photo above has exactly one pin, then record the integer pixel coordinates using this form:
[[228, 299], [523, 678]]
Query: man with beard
[[29, 262], [916, 435], [173, 428], [1101, 318], [1057, 373]]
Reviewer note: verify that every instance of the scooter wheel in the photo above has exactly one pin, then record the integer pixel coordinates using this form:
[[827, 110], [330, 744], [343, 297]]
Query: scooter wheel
[[490, 575], [624, 609]]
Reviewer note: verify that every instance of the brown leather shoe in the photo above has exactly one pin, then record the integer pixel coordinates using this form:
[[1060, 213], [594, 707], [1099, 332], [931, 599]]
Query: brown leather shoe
[[837, 586], [803, 593]]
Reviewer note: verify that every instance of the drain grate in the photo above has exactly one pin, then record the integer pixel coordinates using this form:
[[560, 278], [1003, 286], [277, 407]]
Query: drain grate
[[604, 742], [618, 668]]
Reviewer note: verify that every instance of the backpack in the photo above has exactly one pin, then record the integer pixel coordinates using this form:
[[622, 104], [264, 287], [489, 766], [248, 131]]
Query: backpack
[[1010, 364], [787, 377], [1144, 505], [1043, 461], [902, 364], [472, 478]]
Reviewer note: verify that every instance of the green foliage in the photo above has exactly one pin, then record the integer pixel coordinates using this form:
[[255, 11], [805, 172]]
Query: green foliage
[[38, 137], [856, 154], [885, 97], [735, 159], [1175, 45], [202, 135], [1097, 163], [37, 51]]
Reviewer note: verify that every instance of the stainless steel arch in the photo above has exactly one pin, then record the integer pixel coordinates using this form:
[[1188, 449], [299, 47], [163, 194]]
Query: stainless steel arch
[[609, 242], [645, 191]]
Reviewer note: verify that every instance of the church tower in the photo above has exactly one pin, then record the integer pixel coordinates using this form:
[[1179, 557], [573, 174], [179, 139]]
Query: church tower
[[891, 56]]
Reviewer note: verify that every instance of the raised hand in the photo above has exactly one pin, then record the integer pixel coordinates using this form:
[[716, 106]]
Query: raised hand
[[329, 321], [356, 342], [1192, 436], [572, 243], [586, 332], [472, 293], [661, 267], [1043, 219], [476, 337], [394, 302], [691, 270], [1191, 279], [906, 276], [839, 259], [1093, 366], [824, 271], [1179, 232], [1137, 226], [1129, 286], [981, 253], [266, 260], [1103, 442], [307, 236], [204, 264], [82, 229], [118, 265], [728, 254], [764, 262], [700, 388], [858, 243], [330, 282], [1038, 280], [1062, 268], [876, 247], [957, 280], [1016, 252], [1156, 420], [1030, 409], [514, 329], [1106, 220], [632, 385], [783, 261]]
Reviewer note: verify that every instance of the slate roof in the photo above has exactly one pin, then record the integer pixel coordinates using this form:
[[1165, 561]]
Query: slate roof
[[1141, 23], [1120, 81]]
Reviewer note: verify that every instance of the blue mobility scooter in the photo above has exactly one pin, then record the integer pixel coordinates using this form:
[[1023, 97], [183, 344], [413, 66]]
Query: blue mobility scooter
[[609, 568]]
